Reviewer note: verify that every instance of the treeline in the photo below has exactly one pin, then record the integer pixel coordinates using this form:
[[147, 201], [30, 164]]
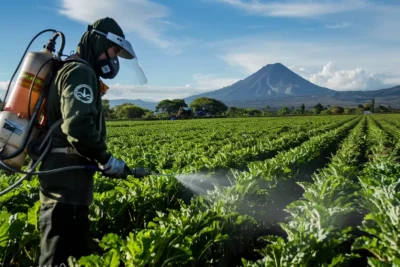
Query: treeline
[[165, 109], [319, 109], [208, 107]]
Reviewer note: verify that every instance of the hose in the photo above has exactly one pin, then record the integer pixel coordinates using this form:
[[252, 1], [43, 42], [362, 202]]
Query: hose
[[30, 172], [20, 62], [32, 164], [50, 46]]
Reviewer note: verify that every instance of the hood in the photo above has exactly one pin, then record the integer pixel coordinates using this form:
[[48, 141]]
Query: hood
[[92, 45]]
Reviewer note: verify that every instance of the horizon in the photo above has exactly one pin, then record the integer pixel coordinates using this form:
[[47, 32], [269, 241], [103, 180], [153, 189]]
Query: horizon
[[187, 49]]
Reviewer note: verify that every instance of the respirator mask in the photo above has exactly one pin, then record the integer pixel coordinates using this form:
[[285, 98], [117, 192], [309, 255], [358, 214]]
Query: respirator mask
[[107, 68]]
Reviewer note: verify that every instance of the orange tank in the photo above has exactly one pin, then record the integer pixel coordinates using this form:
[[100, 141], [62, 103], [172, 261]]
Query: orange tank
[[14, 119], [18, 99]]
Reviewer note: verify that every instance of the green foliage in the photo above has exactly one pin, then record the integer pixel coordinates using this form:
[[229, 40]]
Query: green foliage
[[284, 111], [317, 179], [129, 111], [318, 108], [211, 105], [170, 106], [107, 111]]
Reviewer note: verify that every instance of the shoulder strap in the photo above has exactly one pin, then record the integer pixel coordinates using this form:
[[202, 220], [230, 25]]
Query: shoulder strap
[[67, 60]]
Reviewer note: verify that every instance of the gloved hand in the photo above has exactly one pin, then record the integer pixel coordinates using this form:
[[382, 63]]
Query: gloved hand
[[115, 168]]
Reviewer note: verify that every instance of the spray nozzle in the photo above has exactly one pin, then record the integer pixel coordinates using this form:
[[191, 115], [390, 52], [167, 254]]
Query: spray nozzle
[[139, 172]]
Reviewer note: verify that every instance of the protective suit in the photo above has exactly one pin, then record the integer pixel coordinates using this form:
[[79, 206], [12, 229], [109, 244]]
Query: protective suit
[[75, 97]]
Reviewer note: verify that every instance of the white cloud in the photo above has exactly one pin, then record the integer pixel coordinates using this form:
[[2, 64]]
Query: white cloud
[[3, 85], [306, 59], [304, 70], [353, 79], [3, 88], [142, 17], [251, 53], [339, 25], [212, 81], [251, 61], [300, 8], [150, 93], [393, 81], [202, 83]]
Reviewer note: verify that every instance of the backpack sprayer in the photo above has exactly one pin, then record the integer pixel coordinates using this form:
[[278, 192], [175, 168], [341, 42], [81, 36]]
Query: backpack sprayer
[[23, 122]]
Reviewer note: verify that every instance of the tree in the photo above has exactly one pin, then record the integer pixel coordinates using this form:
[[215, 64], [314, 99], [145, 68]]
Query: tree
[[337, 110], [210, 105], [367, 106], [232, 111], [302, 108], [106, 108], [373, 105], [170, 106], [129, 111], [318, 108], [284, 111], [382, 108], [253, 112], [326, 112], [348, 111]]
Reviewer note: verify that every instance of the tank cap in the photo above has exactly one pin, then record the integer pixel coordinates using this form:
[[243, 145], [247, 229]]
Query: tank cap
[[51, 45]]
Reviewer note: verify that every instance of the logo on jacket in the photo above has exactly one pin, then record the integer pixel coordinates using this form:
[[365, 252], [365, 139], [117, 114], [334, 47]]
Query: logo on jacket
[[84, 93]]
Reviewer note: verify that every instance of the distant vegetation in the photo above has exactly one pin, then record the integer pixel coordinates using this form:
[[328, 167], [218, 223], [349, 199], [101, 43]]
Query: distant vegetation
[[208, 107]]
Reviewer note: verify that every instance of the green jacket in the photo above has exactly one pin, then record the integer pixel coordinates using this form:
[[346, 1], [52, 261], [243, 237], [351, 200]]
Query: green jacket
[[74, 96]]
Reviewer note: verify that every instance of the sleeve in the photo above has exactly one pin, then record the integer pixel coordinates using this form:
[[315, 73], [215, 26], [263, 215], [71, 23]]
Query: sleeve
[[81, 116]]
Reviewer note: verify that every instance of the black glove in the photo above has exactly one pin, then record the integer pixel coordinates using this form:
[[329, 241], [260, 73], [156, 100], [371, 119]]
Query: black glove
[[115, 168]]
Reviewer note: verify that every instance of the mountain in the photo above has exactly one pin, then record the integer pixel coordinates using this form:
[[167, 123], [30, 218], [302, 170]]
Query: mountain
[[270, 82], [276, 85], [137, 102]]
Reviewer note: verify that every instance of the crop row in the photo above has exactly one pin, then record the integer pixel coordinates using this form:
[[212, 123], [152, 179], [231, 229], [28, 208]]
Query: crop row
[[210, 229], [336, 177]]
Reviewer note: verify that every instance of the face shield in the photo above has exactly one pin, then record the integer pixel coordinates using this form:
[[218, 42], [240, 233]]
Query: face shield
[[126, 51]]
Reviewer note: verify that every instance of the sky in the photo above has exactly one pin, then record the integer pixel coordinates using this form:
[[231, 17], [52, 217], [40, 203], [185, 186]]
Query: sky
[[187, 47]]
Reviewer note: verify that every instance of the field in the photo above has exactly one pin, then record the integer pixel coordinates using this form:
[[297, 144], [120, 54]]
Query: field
[[295, 191]]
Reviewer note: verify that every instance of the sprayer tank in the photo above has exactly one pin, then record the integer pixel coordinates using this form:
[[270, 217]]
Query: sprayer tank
[[14, 118]]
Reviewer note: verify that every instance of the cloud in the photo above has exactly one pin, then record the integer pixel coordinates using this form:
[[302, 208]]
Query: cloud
[[344, 80], [299, 9], [202, 83], [212, 81], [251, 53], [3, 86], [338, 26], [307, 59], [142, 17], [392, 81], [151, 93]]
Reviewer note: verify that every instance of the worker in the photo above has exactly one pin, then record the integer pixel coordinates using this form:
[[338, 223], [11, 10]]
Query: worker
[[75, 97]]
